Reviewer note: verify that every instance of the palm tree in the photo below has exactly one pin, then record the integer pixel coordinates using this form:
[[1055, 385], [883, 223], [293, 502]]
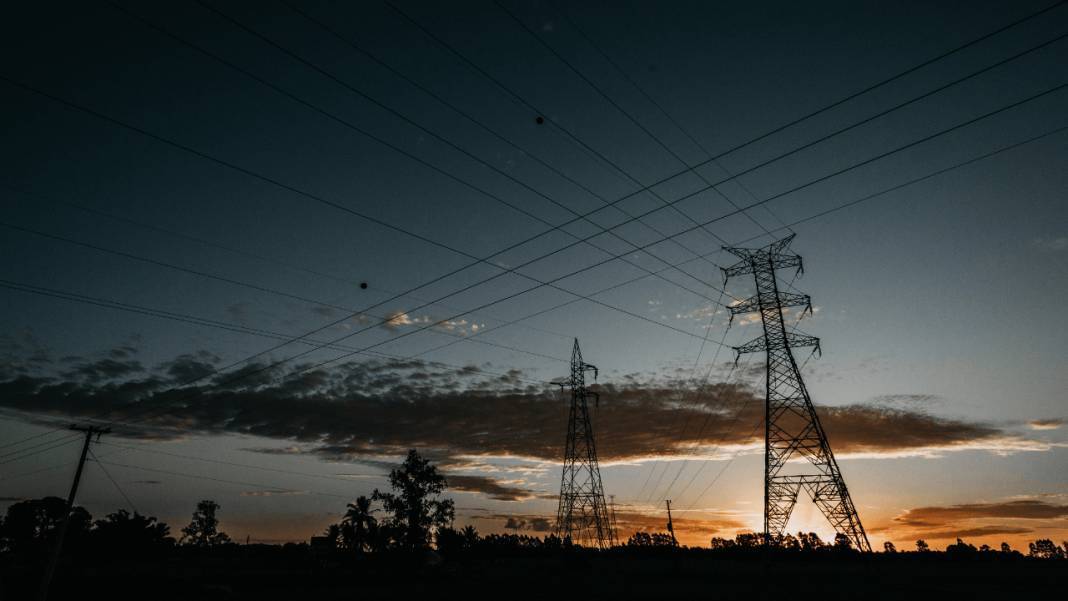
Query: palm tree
[[361, 525], [470, 536]]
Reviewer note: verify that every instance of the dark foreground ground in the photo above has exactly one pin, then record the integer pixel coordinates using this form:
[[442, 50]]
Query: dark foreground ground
[[261, 572]]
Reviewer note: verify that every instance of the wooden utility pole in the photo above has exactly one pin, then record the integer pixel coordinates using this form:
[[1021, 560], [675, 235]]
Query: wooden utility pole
[[671, 525], [54, 560]]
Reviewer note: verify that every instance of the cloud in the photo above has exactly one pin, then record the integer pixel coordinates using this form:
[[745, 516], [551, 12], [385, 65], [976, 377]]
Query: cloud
[[491, 487], [531, 523], [272, 493], [398, 318], [1011, 517], [1045, 424], [975, 532], [375, 410], [1030, 509], [105, 369], [1052, 243]]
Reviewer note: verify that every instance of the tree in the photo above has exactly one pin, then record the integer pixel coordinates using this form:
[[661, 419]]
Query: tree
[[842, 543], [414, 507], [922, 546], [810, 541], [32, 524], [1044, 548], [122, 532], [1005, 548], [203, 530], [656, 539], [359, 526], [470, 536], [960, 548], [888, 547]]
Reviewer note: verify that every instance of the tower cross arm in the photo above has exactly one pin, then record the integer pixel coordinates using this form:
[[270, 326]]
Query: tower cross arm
[[785, 299], [792, 340]]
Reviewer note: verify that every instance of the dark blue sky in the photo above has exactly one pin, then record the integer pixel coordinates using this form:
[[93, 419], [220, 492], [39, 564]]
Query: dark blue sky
[[280, 202]]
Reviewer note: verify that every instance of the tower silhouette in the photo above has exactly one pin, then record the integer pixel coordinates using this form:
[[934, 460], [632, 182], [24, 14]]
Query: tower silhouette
[[582, 515], [792, 429]]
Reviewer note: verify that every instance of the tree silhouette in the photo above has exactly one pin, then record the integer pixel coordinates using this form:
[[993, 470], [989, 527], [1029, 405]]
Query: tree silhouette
[[32, 524], [414, 507], [810, 541], [888, 547], [656, 539], [203, 530], [121, 532], [1005, 548], [922, 546], [960, 548], [359, 527], [1044, 548]]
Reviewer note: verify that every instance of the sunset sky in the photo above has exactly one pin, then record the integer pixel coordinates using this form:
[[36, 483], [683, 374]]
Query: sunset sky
[[188, 187]]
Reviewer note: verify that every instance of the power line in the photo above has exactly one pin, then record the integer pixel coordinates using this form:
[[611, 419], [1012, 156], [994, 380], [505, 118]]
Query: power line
[[870, 196], [201, 321], [18, 442], [970, 161], [629, 117], [776, 130], [571, 135], [265, 487], [227, 248], [392, 146], [721, 217], [840, 207], [663, 111], [231, 463], [48, 446], [848, 204], [236, 282], [796, 188], [113, 481], [810, 183]]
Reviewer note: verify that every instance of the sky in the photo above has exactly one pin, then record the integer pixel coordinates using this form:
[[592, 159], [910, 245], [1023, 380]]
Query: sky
[[275, 246]]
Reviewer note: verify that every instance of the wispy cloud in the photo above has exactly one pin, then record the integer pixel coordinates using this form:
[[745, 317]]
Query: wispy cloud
[[1051, 243], [1045, 424]]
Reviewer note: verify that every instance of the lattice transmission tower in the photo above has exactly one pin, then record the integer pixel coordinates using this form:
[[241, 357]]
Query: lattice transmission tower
[[582, 515], [792, 430]]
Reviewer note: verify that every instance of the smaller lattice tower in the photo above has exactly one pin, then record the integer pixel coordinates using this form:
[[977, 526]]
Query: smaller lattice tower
[[583, 515]]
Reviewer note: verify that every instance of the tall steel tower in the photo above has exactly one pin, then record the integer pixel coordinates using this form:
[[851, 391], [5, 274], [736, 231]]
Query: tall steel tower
[[582, 515], [792, 429]]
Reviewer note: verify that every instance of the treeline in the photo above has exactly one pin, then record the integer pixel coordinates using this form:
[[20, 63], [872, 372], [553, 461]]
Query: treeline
[[30, 527], [412, 518]]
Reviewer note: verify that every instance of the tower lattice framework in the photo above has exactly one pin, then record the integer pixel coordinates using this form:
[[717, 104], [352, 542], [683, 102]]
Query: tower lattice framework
[[792, 429], [582, 514]]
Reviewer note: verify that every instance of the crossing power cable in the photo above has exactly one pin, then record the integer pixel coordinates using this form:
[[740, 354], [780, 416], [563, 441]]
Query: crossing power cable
[[685, 231], [785, 192], [350, 125], [769, 133], [844, 206], [411, 332]]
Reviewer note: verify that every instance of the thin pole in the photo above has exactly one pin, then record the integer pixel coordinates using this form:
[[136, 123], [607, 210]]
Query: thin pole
[[57, 550]]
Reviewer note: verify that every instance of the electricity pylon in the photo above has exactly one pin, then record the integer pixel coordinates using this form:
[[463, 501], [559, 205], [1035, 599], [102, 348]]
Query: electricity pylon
[[792, 429], [582, 515]]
